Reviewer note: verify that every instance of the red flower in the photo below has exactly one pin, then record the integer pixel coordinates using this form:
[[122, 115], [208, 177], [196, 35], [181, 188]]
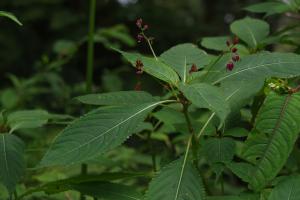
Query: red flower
[[236, 40], [139, 23], [193, 69], [236, 58], [139, 37], [233, 50], [145, 27], [230, 66]]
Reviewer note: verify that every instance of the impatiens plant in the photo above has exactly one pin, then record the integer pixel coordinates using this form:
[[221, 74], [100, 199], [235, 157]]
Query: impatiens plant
[[226, 126]]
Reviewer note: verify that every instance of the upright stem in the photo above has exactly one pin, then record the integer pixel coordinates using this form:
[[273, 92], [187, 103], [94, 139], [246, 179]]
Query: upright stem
[[90, 49], [90, 64]]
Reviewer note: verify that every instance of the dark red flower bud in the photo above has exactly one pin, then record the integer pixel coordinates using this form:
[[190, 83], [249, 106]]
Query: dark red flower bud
[[228, 43], [138, 86], [236, 58], [139, 23], [139, 37], [145, 27], [230, 66], [234, 50], [236, 40], [193, 69]]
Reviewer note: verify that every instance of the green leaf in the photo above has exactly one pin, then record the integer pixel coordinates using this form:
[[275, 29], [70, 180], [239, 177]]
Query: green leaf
[[10, 16], [181, 58], [95, 133], [66, 184], [27, 119], [252, 31], [257, 67], [270, 8], [241, 169], [215, 43], [117, 98], [238, 197], [178, 180], [287, 189], [153, 67], [278, 125], [219, 150], [108, 191], [204, 95], [12, 164]]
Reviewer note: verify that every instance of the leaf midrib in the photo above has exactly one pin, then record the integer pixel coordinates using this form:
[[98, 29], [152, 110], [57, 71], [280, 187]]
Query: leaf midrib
[[109, 130], [250, 68]]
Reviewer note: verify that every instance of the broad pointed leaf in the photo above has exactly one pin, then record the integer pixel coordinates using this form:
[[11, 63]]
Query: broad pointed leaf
[[252, 31], [278, 125], [12, 164], [117, 98], [287, 189], [204, 95], [178, 180], [95, 133], [153, 67], [257, 67], [183, 56]]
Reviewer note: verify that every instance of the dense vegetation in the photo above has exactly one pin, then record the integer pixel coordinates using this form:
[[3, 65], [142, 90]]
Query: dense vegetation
[[222, 123]]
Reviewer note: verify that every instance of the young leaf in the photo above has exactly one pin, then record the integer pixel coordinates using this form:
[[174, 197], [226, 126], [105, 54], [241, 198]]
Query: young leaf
[[204, 95], [287, 189], [178, 180], [10, 16], [219, 150], [95, 133], [183, 56], [108, 191], [117, 98], [153, 67], [278, 125], [12, 164], [257, 67], [252, 31]]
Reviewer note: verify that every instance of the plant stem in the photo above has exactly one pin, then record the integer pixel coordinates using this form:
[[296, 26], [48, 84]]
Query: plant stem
[[150, 144], [90, 65], [90, 49], [150, 45]]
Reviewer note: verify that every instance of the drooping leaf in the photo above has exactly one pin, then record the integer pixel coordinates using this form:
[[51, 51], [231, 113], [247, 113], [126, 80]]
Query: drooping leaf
[[219, 150], [178, 180], [257, 67], [117, 98], [277, 125], [287, 189], [181, 57], [10, 16], [270, 8], [12, 164], [252, 31], [153, 67], [95, 133], [66, 184], [241, 169], [204, 95], [108, 191]]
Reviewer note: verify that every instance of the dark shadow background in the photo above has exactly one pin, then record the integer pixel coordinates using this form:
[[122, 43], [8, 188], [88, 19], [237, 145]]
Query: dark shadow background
[[46, 21]]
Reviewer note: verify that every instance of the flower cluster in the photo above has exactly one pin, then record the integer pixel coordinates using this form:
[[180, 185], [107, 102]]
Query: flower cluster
[[143, 27], [235, 56]]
